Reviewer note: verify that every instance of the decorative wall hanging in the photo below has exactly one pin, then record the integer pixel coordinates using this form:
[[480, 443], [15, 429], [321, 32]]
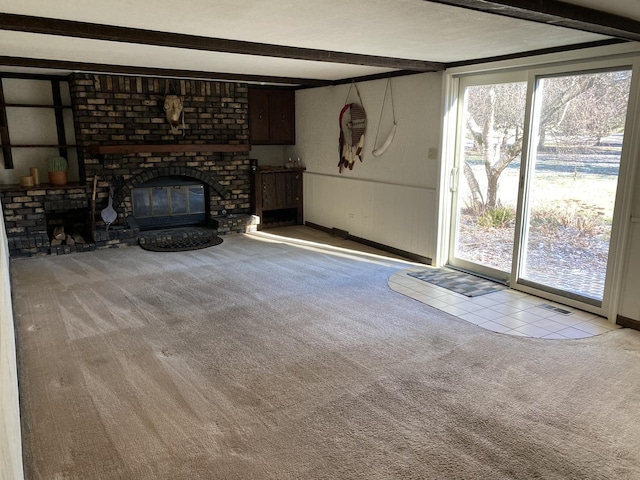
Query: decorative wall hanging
[[377, 151], [173, 108], [353, 124]]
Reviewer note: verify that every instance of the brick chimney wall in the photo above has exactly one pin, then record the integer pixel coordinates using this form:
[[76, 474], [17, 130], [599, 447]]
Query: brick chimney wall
[[113, 109]]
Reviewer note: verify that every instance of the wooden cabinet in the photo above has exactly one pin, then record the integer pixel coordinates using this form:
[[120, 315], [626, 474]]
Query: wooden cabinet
[[272, 116], [276, 196]]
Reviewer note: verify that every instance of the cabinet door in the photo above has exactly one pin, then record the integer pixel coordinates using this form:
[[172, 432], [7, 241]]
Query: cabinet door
[[282, 117], [269, 191], [291, 189], [259, 116]]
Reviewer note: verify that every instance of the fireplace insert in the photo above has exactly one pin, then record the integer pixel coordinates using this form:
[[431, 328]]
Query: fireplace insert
[[166, 202]]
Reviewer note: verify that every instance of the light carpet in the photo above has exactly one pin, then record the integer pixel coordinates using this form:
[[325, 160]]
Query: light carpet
[[260, 359]]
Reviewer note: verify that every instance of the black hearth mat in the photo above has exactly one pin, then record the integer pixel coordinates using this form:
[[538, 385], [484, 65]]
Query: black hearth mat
[[179, 239]]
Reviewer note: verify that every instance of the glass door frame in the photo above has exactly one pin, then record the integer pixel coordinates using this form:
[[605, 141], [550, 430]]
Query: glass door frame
[[622, 191], [456, 171], [451, 145]]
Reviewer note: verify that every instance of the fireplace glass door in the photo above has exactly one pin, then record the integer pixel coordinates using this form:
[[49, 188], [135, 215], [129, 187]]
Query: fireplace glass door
[[164, 203]]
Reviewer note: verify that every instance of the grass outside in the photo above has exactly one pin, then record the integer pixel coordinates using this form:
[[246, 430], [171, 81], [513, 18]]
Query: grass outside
[[592, 185]]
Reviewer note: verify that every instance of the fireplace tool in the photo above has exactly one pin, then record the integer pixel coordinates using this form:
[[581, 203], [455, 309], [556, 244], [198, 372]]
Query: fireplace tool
[[108, 214]]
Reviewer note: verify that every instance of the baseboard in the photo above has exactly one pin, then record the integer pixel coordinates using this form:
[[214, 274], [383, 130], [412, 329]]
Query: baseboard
[[386, 248], [628, 322]]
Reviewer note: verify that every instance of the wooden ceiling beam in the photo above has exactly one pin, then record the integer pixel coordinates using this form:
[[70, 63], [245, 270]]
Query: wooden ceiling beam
[[556, 13], [85, 67], [533, 53], [70, 28]]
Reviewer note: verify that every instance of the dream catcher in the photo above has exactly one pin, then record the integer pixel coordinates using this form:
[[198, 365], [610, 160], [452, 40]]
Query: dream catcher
[[353, 124], [383, 148]]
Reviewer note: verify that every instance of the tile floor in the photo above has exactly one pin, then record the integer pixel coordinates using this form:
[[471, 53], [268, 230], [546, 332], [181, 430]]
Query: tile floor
[[507, 311]]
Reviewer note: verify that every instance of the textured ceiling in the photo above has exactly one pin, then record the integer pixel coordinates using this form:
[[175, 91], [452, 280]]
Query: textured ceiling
[[406, 29]]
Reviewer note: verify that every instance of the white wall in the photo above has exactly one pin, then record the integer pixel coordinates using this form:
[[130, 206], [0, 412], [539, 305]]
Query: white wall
[[630, 300], [10, 437], [273, 155], [391, 199]]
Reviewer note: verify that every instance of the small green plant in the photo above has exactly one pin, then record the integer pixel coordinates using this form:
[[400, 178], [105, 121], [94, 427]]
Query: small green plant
[[499, 217], [57, 164]]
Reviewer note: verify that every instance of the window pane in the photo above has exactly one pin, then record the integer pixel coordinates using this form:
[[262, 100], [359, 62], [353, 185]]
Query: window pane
[[179, 200], [141, 202], [196, 199], [160, 201], [573, 186], [489, 174]]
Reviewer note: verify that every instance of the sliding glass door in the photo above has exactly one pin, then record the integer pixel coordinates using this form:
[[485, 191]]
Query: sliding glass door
[[578, 126], [535, 181], [486, 175]]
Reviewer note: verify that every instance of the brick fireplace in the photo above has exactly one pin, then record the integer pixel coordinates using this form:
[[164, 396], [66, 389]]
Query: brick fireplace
[[125, 142]]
